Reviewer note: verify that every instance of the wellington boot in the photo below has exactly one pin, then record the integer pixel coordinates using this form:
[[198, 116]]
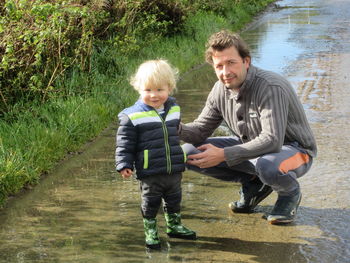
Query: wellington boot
[[151, 233], [176, 229]]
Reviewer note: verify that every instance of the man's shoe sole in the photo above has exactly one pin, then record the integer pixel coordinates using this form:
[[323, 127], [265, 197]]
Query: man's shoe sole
[[279, 221], [283, 220]]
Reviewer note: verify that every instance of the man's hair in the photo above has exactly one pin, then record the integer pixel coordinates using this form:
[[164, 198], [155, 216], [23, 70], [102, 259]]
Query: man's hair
[[155, 73], [225, 39]]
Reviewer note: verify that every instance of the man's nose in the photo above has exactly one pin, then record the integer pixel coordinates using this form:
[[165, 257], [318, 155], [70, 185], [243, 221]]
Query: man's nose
[[225, 70]]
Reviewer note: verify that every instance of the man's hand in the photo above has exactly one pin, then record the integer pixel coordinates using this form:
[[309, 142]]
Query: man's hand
[[209, 157]]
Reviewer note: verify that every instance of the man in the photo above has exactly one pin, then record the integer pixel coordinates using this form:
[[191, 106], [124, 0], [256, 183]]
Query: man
[[273, 143]]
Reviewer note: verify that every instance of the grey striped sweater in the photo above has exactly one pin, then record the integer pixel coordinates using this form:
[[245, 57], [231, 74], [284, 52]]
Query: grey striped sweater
[[265, 114]]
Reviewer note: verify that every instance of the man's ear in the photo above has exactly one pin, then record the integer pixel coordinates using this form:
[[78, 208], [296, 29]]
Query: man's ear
[[247, 60]]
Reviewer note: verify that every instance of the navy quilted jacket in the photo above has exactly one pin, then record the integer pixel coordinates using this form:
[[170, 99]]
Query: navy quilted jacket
[[149, 142]]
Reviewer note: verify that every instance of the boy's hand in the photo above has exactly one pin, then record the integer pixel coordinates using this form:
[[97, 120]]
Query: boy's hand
[[126, 173]]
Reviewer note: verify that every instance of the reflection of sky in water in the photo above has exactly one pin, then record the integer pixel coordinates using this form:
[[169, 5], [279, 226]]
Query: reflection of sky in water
[[274, 50]]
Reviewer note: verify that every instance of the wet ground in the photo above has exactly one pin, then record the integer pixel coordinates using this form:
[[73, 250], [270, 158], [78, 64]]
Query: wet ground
[[85, 212]]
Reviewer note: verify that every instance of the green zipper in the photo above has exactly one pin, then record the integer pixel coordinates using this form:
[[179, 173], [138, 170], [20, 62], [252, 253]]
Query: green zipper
[[167, 146], [184, 153], [145, 159]]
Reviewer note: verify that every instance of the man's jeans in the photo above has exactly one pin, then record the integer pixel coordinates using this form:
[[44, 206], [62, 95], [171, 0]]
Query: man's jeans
[[278, 170]]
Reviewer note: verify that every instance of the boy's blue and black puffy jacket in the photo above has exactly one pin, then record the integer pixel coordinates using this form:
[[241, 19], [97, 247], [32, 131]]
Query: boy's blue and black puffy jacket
[[149, 142]]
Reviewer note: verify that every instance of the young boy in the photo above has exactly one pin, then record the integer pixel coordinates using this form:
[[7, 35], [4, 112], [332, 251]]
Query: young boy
[[147, 140]]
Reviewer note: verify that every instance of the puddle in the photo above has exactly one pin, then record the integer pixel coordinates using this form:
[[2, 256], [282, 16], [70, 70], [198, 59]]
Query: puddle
[[85, 212]]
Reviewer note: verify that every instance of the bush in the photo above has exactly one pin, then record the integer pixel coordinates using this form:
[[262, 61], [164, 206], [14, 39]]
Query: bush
[[41, 39]]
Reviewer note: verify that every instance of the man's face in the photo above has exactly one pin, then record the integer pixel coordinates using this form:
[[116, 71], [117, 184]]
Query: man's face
[[230, 68]]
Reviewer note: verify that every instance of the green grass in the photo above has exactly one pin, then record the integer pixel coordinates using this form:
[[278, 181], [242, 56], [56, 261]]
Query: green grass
[[33, 140]]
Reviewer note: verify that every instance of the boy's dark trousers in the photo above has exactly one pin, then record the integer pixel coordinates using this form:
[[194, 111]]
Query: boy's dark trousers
[[156, 188]]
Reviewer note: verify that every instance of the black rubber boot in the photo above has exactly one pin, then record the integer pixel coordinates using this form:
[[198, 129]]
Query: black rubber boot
[[285, 209], [252, 193]]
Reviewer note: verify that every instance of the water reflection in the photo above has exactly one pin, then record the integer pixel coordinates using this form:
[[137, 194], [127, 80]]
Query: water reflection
[[274, 41]]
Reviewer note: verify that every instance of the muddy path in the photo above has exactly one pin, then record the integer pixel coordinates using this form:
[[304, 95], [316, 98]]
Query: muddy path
[[84, 212]]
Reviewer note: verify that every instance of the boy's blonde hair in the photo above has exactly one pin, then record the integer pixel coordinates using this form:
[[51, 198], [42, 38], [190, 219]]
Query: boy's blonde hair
[[155, 73]]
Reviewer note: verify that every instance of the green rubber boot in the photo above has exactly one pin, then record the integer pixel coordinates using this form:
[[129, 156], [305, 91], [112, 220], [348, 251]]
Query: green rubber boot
[[176, 229], [151, 233]]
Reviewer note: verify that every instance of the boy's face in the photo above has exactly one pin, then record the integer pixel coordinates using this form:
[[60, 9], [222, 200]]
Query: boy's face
[[155, 97]]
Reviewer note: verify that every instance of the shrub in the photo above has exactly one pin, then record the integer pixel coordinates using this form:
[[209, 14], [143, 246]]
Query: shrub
[[41, 39]]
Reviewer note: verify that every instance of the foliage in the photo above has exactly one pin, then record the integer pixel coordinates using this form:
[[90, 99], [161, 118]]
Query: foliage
[[144, 19], [41, 39], [36, 140], [219, 7]]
